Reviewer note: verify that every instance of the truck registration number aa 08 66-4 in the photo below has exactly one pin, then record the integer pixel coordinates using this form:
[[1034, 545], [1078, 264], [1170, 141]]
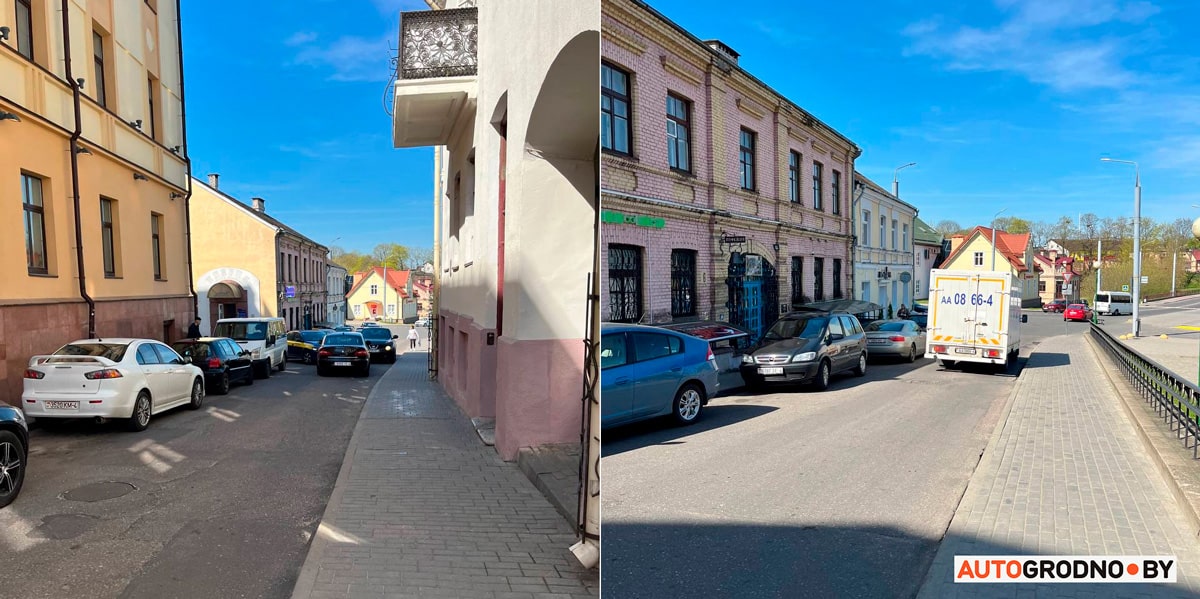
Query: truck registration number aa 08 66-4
[[962, 299]]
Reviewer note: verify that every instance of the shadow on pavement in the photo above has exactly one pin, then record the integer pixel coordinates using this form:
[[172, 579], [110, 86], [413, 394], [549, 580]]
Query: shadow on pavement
[[1047, 360], [662, 431], [749, 561]]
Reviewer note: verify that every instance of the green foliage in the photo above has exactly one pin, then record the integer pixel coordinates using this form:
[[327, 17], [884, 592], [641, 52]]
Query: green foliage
[[392, 255]]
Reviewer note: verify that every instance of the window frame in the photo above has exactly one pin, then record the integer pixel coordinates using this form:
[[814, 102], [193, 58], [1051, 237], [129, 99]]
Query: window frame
[[683, 282], [818, 196], [818, 278], [108, 236], [904, 236], [673, 142], [835, 196], [24, 29], [619, 297], [100, 67], [895, 225], [153, 101], [747, 156], [978, 259], [794, 161], [866, 227], [156, 245], [798, 296], [883, 231], [613, 96], [837, 278], [28, 210]]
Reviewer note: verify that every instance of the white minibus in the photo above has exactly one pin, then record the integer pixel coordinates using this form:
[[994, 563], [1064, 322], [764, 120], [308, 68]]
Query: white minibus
[[1113, 302]]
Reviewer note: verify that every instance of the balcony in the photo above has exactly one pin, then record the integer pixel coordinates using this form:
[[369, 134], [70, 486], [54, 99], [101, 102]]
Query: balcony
[[436, 71]]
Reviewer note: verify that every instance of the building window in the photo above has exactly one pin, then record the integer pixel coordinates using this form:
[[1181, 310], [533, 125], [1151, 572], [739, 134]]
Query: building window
[[978, 258], [837, 278], [866, 292], [155, 245], [35, 224], [882, 232], [98, 60], [817, 199], [905, 237], [818, 279], [746, 157], [624, 283], [1041, 286], [798, 298], [152, 103], [374, 289], [794, 177], [866, 228], [894, 227], [108, 236], [679, 134], [683, 282], [24, 31], [614, 109], [835, 196]]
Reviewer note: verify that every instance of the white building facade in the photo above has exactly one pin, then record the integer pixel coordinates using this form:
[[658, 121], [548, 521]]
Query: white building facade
[[883, 251], [335, 294]]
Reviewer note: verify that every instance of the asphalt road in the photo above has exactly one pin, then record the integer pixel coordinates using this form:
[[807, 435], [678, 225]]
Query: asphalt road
[[219, 502], [797, 493]]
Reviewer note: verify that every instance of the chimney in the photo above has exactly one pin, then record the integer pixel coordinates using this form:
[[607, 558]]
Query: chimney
[[723, 50], [260, 205], [212, 180]]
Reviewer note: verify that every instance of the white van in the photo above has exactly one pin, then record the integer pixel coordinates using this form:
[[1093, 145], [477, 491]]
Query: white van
[[1114, 302], [264, 337]]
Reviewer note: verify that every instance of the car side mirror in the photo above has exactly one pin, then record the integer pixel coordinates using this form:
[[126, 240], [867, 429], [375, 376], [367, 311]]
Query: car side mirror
[[836, 336], [1024, 318], [395, 336]]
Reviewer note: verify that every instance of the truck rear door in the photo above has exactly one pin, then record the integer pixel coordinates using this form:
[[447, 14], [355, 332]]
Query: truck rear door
[[990, 302], [951, 316]]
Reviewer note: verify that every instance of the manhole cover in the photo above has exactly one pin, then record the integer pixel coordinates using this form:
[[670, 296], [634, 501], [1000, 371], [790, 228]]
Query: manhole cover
[[99, 491], [63, 526]]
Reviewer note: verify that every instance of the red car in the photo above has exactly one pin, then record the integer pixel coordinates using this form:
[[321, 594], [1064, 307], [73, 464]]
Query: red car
[[1057, 305], [1077, 312]]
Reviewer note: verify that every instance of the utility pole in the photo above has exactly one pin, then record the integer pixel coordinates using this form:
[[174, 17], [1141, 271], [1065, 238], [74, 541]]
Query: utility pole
[[385, 286]]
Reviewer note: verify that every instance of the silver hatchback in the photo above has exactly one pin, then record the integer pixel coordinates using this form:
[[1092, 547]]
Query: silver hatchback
[[901, 338]]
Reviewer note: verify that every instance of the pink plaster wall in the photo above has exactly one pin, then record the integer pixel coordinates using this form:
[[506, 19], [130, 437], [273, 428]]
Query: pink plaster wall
[[539, 386]]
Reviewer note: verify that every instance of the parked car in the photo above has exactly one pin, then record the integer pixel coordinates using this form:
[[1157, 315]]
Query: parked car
[[424, 322], [343, 352], [922, 319], [265, 337], [223, 361], [1054, 305], [727, 342], [1078, 312], [14, 452], [381, 344], [648, 372], [807, 346], [368, 324], [343, 329], [302, 345], [111, 378], [919, 309], [901, 338]]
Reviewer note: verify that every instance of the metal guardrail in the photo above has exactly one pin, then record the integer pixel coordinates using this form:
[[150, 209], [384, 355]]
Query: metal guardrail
[[439, 43], [1162, 296], [1174, 399]]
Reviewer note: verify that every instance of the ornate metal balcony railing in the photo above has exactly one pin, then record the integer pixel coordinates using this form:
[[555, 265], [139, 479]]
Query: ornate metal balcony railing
[[439, 43]]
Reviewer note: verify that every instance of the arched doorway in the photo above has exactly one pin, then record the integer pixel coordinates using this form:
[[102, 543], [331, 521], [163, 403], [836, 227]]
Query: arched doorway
[[226, 299], [753, 292]]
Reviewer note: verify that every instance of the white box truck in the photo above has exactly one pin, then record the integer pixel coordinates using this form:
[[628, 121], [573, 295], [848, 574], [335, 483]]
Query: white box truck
[[974, 316]]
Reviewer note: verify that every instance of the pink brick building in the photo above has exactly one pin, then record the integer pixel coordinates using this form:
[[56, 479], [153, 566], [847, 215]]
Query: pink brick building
[[721, 198]]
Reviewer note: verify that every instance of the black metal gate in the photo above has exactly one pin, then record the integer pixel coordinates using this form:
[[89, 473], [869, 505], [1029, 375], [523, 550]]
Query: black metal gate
[[753, 297], [624, 283]]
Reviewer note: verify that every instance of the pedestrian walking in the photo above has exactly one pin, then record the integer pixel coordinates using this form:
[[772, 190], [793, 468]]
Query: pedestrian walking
[[413, 338], [194, 329]]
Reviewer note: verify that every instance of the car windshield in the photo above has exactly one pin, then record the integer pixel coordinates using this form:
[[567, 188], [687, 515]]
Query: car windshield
[[195, 350], [112, 351], [312, 336], [885, 326], [242, 331], [794, 328], [376, 333], [343, 339], [1075, 307]]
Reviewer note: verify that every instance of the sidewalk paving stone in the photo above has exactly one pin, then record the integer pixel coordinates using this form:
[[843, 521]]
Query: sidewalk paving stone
[[1066, 475], [423, 509]]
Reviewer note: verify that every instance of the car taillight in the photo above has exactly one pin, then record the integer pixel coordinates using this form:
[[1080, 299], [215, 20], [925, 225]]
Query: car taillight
[[214, 362], [939, 349], [107, 373], [896, 338], [324, 353], [992, 353], [362, 353], [710, 355], [34, 374]]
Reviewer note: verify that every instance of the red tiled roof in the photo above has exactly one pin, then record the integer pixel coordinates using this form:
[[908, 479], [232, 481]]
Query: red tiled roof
[[1010, 245], [397, 280]]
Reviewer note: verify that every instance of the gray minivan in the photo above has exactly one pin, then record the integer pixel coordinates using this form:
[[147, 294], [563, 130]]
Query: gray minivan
[[807, 346]]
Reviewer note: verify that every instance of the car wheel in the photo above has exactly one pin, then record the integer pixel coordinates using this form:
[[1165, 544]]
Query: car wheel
[[689, 402], [912, 353], [283, 365], [223, 384], [310, 358], [1116, 312], [249, 376], [821, 382], [140, 418], [12, 466], [198, 394], [861, 369]]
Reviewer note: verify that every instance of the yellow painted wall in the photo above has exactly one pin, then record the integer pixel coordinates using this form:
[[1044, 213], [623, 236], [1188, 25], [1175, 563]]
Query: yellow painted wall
[[224, 235], [362, 295], [965, 260]]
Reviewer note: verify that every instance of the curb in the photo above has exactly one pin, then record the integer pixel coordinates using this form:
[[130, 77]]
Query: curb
[[1121, 388], [307, 578], [527, 469]]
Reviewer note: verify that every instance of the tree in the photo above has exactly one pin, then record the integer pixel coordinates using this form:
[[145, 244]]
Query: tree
[[1089, 225], [417, 257], [1064, 229], [1040, 233], [1013, 224], [948, 228], [390, 255]]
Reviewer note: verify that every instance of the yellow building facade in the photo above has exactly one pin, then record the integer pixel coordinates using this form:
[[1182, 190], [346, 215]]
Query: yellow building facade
[[93, 177], [1014, 254]]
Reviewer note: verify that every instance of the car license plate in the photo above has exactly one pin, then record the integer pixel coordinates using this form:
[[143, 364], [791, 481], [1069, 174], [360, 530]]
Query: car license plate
[[771, 370], [62, 405], [964, 350], [341, 363], [877, 341]]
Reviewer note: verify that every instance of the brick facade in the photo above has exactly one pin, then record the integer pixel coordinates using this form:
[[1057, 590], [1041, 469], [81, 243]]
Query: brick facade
[[699, 207]]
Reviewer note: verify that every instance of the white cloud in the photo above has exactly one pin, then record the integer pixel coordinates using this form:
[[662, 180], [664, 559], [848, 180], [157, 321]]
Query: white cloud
[[300, 38], [351, 58]]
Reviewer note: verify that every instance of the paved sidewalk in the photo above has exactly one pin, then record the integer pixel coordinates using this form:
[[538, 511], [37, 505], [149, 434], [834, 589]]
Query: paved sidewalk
[[421, 508], [1066, 475]]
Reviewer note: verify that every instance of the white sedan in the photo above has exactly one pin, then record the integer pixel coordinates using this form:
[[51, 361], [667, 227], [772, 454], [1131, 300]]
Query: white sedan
[[111, 378]]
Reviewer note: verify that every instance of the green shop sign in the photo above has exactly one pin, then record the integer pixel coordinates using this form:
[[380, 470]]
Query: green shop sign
[[610, 216]]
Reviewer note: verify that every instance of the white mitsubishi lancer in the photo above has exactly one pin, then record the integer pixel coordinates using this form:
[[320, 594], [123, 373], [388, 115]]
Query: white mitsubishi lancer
[[111, 378]]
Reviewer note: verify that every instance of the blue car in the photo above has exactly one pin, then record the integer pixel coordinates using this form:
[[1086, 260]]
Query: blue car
[[646, 372]]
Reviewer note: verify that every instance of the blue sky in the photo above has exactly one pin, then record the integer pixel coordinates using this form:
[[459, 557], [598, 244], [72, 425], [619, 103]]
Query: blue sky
[[1003, 104], [285, 101]]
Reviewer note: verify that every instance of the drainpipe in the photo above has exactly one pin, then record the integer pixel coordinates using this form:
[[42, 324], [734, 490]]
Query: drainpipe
[[860, 189], [435, 291], [187, 194], [66, 27]]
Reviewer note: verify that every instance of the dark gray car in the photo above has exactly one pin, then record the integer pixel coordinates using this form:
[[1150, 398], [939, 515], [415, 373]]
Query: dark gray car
[[807, 347], [14, 452]]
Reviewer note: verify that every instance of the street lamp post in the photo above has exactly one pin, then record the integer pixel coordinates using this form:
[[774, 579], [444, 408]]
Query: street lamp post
[[896, 178], [1137, 243], [994, 217]]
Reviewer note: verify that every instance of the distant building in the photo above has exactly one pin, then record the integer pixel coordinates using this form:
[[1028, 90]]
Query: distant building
[[927, 247], [1013, 254], [380, 294], [335, 295], [883, 258]]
